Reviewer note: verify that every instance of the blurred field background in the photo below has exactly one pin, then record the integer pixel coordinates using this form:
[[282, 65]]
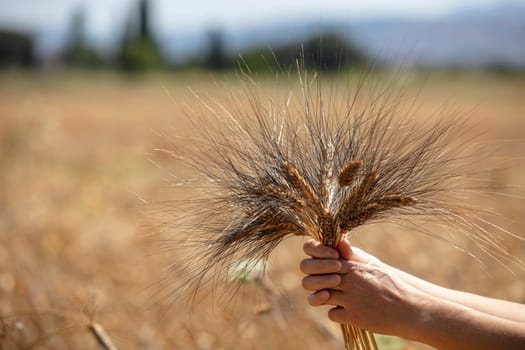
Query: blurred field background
[[83, 194]]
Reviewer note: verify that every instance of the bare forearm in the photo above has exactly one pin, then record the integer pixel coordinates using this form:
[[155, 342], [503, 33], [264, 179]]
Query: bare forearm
[[495, 307], [446, 325]]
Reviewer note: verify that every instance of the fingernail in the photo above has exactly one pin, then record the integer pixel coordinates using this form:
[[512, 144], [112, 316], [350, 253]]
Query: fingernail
[[324, 295]]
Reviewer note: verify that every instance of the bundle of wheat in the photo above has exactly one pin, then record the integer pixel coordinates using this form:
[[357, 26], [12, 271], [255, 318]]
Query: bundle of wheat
[[311, 164]]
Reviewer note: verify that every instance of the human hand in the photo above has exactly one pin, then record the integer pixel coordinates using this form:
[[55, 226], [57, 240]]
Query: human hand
[[371, 295], [366, 292]]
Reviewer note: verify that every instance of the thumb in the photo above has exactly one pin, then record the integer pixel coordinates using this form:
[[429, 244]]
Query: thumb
[[344, 248], [346, 252]]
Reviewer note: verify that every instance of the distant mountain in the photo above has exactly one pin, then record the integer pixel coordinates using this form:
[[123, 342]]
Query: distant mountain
[[444, 42], [503, 11], [470, 37]]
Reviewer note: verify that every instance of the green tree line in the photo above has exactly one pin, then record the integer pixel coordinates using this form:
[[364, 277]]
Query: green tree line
[[139, 50]]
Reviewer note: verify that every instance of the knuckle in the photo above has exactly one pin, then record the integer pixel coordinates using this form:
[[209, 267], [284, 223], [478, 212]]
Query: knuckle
[[347, 267], [334, 265], [336, 280]]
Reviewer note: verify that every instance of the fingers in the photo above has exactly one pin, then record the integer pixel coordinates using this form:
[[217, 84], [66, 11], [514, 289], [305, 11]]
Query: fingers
[[320, 266], [327, 267], [327, 297], [315, 283], [319, 298], [320, 251], [324, 258], [344, 251], [338, 314]]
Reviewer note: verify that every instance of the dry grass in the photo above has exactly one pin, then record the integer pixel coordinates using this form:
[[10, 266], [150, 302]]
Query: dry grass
[[74, 171]]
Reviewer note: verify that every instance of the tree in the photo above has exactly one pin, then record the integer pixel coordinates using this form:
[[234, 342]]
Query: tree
[[139, 51], [77, 52], [16, 49], [144, 25], [217, 58], [327, 52]]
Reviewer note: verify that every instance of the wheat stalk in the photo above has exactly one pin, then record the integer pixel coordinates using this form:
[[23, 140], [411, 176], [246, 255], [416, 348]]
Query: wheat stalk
[[306, 165], [101, 336]]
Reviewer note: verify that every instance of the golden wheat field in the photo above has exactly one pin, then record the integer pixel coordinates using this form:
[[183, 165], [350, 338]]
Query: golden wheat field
[[83, 196]]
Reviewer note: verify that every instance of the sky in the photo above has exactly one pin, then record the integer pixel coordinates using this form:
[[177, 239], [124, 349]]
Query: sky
[[189, 15], [105, 19]]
